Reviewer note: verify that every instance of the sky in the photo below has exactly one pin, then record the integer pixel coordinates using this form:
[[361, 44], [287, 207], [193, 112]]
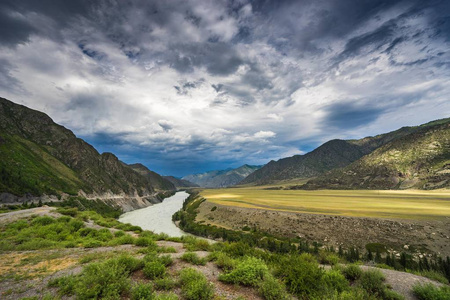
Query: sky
[[189, 86]]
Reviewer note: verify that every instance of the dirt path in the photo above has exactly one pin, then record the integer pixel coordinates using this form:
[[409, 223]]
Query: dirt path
[[25, 213]]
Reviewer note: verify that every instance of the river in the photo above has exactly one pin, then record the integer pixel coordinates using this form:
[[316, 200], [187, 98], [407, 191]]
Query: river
[[158, 217]]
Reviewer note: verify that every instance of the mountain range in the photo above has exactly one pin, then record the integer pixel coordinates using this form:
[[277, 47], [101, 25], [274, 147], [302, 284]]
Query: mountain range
[[416, 156], [221, 178], [40, 157], [180, 183]]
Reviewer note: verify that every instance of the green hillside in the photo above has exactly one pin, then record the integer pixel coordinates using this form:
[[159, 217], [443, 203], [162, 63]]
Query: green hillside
[[418, 160], [331, 155], [39, 156]]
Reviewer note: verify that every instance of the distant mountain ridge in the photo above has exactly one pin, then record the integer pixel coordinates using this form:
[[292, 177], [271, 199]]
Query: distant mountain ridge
[[221, 178], [180, 183], [40, 157], [331, 155], [420, 159]]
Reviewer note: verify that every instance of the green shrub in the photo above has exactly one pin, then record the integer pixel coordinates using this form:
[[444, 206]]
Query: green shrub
[[126, 239], [131, 263], [193, 258], [271, 289], [37, 243], [328, 258], [372, 281], [154, 269], [166, 260], [195, 286], [334, 280], [66, 285], [391, 295], [142, 291], [166, 250], [108, 279], [144, 242], [437, 276], [302, 275], [249, 271], [170, 296], [356, 294], [352, 272], [196, 244], [431, 292], [92, 244], [42, 221], [165, 284], [224, 262], [119, 233]]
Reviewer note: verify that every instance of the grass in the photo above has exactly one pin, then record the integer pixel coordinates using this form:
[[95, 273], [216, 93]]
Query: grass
[[411, 204], [431, 292]]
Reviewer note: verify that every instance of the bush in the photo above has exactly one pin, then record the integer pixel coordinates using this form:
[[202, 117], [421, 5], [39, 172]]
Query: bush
[[196, 244], [131, 263], [166, 250], [144, 242], [335, 281], [225, 262], [103, 280], [352, 272], [431, 292], [248, 271], [142, 291], [373, 282], [119, 233], [170, 296], [437, 276], [126, 239], [302, 276], [194, 285], [92, 244], [328, 258], [66, 284], [42, 221], [154, 269], [193, 258], [166, 260], [165, 284], [271, 289], [391, 295]]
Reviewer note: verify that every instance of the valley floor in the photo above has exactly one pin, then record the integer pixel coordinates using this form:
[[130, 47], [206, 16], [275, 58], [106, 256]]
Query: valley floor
[[411, 220]]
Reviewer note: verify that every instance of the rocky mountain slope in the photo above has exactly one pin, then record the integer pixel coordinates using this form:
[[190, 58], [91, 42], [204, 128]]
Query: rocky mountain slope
[[222, 178], [331, 155], [180, 183], [39, 157], [159, 182], [418, 160]]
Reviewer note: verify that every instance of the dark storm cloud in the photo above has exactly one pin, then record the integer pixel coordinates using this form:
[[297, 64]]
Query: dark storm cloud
[[349, 116], [7, 81], [16, 26]]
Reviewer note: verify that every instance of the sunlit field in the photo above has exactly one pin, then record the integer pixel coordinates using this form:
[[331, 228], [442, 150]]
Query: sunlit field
[[411, 204]]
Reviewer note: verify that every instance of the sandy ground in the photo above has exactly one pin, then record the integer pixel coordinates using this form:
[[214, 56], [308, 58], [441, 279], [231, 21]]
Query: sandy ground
[[430, 236]]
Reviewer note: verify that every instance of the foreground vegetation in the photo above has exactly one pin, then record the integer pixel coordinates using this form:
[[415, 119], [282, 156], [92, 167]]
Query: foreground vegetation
[[411, 204], [267, 266]]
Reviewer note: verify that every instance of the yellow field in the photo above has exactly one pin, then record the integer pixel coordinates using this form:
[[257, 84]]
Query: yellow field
[[410, 204]]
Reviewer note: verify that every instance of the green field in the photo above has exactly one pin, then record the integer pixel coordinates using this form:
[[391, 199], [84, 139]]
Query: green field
[[409, 204]]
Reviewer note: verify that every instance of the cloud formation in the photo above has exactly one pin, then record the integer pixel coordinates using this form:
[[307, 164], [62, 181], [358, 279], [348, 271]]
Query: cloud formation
[[189, 86]]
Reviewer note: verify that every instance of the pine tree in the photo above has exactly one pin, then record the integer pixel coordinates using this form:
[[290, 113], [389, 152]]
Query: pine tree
[[369, 255], [378, 256]]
